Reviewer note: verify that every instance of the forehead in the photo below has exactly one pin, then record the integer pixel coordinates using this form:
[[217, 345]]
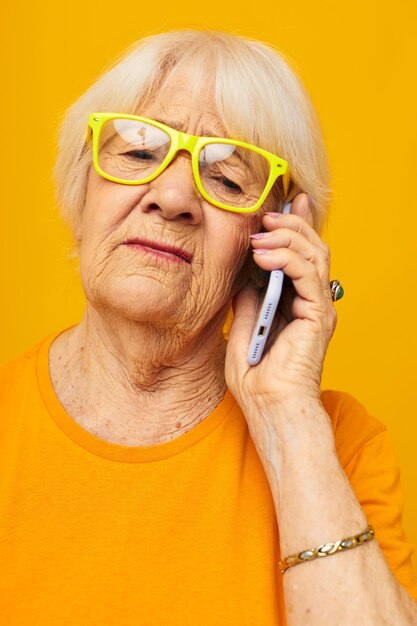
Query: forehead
[[186, 102]]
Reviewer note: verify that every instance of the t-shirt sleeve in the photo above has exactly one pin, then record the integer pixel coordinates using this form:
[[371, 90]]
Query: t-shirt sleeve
[[374, 475]]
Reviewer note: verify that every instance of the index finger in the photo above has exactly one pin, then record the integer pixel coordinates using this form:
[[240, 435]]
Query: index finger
[[300, 220]]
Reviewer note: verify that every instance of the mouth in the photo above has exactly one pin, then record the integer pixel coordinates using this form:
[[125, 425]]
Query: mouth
[[161, 249]]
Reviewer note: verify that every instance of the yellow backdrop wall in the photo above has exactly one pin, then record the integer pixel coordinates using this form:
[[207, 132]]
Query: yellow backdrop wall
[[357, 61]]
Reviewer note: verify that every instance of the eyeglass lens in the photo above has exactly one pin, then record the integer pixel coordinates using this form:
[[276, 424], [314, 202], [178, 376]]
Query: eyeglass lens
[[132, 151]]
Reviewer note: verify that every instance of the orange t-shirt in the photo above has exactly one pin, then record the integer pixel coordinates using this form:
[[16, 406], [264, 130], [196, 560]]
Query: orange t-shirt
[[94, 533]]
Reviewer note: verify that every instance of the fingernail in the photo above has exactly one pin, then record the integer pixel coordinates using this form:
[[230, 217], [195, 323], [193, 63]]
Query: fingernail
[[260, 251], [257, 236], [271, 214]]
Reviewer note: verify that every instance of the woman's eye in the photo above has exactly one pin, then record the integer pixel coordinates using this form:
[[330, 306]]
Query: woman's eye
[[230, 184], [143, 155]]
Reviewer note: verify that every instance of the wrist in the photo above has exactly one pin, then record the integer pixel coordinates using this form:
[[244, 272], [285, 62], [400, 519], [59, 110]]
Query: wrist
[[285, 399], [293, 432]]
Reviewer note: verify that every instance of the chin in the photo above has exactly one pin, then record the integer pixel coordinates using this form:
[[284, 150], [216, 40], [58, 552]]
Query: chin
[[141, 300]]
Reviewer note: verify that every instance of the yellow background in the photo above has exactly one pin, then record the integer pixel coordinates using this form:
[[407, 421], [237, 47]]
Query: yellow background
[[357, 60]]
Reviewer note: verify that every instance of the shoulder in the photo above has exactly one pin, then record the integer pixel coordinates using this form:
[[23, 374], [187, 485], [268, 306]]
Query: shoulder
[[353, 426]]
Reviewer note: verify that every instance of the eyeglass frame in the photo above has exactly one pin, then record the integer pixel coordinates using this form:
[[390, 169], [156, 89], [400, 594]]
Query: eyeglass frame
[[192, 144]]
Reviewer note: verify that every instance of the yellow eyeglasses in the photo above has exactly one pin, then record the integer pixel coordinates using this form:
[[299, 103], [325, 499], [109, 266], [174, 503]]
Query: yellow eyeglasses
[[232, 175]]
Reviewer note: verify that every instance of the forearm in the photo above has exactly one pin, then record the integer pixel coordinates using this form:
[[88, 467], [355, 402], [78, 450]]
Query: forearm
[[315, 504]]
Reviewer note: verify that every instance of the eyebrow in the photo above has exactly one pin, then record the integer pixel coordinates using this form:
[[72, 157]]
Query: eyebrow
[[180, 127]]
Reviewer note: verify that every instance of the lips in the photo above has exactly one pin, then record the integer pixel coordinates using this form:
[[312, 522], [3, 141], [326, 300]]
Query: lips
[[161, 247]]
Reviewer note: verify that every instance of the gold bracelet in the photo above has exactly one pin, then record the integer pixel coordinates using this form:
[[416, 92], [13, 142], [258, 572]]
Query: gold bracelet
[[326, 549]]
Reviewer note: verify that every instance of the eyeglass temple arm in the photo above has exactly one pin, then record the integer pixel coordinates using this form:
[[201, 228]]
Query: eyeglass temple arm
[[286, 179], [88, 134]]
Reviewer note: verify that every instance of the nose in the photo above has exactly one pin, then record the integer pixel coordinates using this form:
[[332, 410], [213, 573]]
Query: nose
[[173, 194]]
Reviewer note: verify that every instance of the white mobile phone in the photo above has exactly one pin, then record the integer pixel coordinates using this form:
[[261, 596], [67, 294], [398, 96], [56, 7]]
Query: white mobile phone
[[267, 312]]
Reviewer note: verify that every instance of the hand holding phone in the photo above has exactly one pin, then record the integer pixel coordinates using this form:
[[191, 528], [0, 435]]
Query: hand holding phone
[[267, 312]]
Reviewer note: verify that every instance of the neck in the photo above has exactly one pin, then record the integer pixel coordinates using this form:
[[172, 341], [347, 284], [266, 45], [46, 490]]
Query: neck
[[137, 384]]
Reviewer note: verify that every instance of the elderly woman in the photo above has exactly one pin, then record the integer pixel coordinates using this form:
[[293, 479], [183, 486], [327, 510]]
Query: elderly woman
[[149, 474]]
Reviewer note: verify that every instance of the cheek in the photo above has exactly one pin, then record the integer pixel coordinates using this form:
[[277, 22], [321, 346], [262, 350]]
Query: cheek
[[228, 239], [107, 205], [244, 265], [106, 210]]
